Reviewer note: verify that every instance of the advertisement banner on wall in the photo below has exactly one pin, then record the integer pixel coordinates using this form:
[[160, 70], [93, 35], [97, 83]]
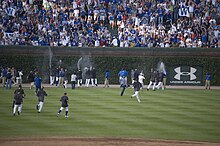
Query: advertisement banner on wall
[[185, 75]]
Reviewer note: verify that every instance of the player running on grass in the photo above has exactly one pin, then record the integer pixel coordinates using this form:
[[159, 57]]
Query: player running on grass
[[40, 94], [137, 86], [18, 99], [64, 104], [123, 84]]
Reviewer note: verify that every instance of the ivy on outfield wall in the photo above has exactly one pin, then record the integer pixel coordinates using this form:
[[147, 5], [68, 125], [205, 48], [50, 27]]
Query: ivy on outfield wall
[[113, 64]]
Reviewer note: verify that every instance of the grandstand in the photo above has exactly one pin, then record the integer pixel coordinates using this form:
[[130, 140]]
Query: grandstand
[[107, 23]]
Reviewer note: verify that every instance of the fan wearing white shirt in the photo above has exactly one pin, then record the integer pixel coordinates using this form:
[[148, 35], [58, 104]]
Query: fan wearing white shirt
[[115, 42]]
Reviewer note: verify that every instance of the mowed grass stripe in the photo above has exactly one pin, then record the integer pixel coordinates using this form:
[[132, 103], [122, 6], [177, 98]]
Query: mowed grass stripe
[[169, 114]]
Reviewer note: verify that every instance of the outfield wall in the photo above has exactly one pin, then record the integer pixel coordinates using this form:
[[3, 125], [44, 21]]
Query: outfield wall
[[184, 60], [110, 51]]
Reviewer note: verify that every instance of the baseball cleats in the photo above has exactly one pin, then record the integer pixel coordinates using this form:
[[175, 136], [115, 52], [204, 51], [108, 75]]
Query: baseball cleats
[[66, 116], [37, 107]]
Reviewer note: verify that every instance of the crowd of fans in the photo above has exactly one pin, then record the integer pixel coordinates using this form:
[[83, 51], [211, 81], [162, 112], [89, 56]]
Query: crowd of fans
[[92, 23]]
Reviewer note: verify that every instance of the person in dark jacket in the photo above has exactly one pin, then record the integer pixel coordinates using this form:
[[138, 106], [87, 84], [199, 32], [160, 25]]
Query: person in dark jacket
[[18, 100], [79, 77], [137, 86], [52, 75], [160, 81], [153, 76], [8, 79], [136, 74], [64, 104], [40, 94], [30, 78], [94, 79]]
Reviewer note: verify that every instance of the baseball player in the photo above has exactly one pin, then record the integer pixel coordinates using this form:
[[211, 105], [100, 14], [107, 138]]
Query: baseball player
[[88, 76], [79, 77], [152, 80], [94, 78], [18, 99], [160, 81], [73, 80], [141, 79], [37, 82], [123, 73], [64, 104], [40, 94], [123, 84], [137, 85]]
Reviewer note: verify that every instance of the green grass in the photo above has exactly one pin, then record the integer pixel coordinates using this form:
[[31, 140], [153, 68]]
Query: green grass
[[175, 114]]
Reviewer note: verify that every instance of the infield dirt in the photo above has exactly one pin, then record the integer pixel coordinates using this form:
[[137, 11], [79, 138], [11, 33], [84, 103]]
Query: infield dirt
[[74, 141]]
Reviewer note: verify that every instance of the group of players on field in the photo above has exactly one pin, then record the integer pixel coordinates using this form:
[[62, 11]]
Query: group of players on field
[[156, 81]]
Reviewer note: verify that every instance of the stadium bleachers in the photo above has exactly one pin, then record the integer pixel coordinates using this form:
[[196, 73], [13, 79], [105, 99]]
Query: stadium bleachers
[[106, 23]]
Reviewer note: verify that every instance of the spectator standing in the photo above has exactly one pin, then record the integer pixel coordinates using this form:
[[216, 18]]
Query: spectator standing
[[207, 81]]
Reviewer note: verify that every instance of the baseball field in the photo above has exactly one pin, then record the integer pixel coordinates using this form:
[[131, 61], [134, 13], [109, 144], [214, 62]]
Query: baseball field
[[100, 116]]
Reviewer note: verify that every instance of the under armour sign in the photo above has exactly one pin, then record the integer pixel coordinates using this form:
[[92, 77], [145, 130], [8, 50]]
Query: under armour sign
[[179, 73], [185, 75]]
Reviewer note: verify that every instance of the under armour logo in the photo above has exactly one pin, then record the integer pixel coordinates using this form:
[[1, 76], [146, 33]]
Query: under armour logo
[[191, 73]]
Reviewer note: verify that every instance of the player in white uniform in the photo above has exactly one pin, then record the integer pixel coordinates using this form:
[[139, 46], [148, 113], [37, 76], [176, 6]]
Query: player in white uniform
[[141, 79]]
